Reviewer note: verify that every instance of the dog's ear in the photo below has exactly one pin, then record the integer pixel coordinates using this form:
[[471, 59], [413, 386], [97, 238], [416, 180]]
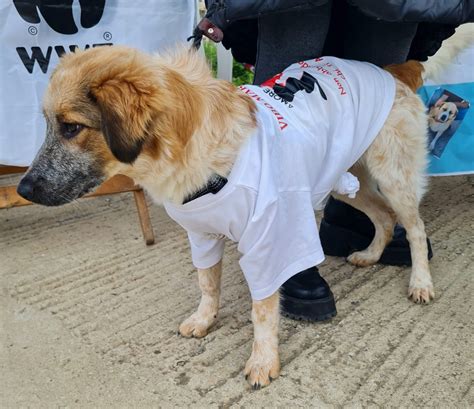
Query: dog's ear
[[454, 112], [125, 99], [441, 100]]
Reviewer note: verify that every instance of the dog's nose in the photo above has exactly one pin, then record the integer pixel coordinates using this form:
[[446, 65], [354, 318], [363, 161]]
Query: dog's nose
[[26, 187]]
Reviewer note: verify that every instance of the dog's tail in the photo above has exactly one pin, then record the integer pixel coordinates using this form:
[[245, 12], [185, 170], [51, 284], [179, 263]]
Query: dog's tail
[[452, 46], [414, 73]]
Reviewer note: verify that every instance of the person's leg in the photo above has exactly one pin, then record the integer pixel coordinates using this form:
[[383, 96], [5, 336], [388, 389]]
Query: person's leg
[[376, 41], [288, 37]]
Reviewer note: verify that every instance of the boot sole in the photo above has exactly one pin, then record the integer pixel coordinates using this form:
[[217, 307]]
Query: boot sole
[[308, 310]]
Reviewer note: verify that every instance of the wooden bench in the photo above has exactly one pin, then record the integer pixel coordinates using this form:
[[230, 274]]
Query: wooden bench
[[117, 184]]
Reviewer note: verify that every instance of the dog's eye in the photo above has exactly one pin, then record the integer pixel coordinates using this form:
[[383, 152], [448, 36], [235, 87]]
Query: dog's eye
[[70, 130]]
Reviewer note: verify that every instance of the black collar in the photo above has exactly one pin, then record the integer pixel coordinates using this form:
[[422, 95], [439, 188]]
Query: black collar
[[213, 185]]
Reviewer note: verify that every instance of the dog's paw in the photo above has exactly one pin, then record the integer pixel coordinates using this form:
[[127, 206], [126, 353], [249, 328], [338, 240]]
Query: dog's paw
[[261, 369], [421, 295], [196, 326], [363, 258]]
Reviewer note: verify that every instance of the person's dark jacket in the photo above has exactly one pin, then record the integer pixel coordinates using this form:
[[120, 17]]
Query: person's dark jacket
[[438, 20], [434, 11], [224, 12]]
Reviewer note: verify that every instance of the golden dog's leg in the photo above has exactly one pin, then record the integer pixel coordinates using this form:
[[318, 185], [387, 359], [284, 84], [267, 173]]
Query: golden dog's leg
[[371, 203], [198, 324], [264, 363], [397, 161], [405, 204]]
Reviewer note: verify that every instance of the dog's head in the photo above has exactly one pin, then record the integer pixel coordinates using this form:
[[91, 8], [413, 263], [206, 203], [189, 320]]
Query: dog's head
[[443, 112], [104, 107]]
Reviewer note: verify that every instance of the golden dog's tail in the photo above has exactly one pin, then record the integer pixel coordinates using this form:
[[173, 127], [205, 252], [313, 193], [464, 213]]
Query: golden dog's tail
[[413, 73]]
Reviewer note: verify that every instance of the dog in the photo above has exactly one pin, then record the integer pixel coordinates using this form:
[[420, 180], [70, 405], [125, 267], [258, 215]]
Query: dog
[[167, 123], [440, 117]]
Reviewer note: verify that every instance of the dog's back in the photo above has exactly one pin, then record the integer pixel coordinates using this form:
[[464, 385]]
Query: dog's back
[[410, 73]]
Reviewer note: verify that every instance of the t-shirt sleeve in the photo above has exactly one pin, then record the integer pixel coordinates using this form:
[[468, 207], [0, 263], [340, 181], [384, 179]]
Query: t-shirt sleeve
[[206, 249]]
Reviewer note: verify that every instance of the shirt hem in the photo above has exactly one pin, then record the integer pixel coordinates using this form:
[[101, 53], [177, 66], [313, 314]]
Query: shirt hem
[[310, 260], [207, 262]]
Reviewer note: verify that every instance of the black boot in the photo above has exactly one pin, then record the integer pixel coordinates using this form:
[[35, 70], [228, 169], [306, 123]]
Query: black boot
[[307, 296], [345, 229]]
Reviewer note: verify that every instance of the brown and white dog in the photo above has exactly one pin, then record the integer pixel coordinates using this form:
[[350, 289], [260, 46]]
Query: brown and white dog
[[167, 123], [440, 117]]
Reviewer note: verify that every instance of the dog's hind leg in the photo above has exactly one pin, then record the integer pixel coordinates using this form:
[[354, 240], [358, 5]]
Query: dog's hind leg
[[198, 324], [370, 202], [397, 161]]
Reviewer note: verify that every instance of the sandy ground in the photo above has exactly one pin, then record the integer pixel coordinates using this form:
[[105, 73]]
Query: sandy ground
[[89, 316]]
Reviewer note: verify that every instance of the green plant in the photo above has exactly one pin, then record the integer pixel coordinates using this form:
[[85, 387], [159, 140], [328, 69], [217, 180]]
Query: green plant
[[240, 75], [211, 55]]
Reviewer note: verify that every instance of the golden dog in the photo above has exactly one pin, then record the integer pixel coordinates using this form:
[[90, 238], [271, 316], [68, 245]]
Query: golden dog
[[441, 115], [167, 123]]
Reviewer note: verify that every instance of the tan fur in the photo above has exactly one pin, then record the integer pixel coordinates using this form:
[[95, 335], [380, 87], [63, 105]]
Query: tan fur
[[199, 323], [264, 363], [175, 125], [410, 73]]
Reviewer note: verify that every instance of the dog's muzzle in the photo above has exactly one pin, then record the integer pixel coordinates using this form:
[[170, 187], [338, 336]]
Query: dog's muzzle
[[443, 117], [36, 189]]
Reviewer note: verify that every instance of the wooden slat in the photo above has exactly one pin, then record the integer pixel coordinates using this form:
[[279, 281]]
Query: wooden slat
[[10, 170], [144, 217], [10, 198], [117, 184]]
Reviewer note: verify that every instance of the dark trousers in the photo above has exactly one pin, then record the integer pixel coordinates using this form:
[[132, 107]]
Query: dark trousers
[[288, 37]]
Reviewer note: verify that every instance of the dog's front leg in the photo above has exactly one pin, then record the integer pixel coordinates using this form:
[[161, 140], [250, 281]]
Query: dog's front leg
[[264, 363], [434, 141], [199, 323]]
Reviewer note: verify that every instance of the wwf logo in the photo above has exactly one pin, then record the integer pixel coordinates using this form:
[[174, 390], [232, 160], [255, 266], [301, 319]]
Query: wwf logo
[[292, 85], [58, 13]]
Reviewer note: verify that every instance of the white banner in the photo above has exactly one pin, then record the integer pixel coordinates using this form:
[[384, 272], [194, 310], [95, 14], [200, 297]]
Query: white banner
[[34, 33]]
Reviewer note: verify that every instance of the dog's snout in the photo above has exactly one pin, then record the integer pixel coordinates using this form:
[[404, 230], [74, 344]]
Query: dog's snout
[[444, 117], [26, 187]]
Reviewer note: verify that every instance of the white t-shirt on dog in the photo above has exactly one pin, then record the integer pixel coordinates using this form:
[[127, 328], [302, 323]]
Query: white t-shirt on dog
[[288, 167]]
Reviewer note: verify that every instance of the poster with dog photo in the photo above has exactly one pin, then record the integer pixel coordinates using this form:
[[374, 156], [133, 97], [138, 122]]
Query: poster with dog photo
[[453, 152], [446, 111]]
